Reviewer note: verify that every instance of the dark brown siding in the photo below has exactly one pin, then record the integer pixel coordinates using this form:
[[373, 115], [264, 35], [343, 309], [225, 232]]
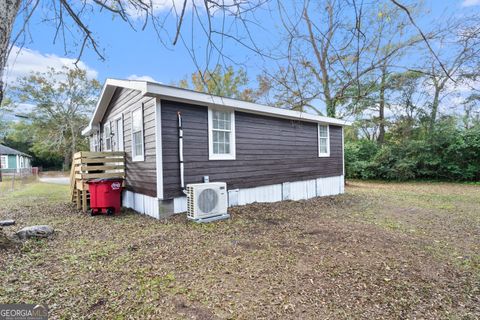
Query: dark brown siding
[[141, 175], [268, 150]]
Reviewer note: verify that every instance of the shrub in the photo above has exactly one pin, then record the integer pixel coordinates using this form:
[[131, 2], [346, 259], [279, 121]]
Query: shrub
[[447, 154]]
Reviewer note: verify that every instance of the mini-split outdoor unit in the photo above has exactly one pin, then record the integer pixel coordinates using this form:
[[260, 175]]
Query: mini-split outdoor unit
[[207, 201]]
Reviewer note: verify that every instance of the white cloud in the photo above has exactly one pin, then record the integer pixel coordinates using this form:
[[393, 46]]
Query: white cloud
[[470, 3], [142, 78], [156, 7], [24, 108], [20, 109], [23, 61]]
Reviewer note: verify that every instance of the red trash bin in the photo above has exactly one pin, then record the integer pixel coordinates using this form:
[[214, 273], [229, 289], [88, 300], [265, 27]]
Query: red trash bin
[[105, 196]]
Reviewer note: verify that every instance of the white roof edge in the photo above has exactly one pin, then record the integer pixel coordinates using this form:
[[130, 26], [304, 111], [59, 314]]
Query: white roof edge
[[175, 93], [193, 96], [106, 95]]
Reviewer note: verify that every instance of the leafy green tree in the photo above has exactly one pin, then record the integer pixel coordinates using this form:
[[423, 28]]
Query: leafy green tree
[[450, 152], [5, 105], [221, 82], [63, 101]]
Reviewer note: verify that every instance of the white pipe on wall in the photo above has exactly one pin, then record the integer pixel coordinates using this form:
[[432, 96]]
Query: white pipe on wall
[[180, 152]]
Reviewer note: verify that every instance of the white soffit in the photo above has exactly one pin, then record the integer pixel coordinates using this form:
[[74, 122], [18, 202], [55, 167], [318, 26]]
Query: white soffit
[[193, 97], [179, 94]]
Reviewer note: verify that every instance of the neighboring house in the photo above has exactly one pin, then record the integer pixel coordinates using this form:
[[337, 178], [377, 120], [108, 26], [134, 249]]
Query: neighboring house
[[264, 154], [12, 160]]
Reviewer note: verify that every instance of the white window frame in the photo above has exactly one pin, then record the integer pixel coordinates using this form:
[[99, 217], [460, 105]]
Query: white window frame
[[4, 160], [109, 124], [119, 137], [232, 154], [136, 158], [96, 141], [323, 154]]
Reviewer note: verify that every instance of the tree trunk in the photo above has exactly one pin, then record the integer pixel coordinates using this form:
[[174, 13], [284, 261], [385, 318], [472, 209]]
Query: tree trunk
[[381, 105], [8, 12], [74, 146], [434, 111], [67, 160], [74, 139], [331, 112], [322, 56]]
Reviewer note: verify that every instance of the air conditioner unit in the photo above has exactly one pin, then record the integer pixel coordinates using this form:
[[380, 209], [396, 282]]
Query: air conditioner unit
[[207, 201]]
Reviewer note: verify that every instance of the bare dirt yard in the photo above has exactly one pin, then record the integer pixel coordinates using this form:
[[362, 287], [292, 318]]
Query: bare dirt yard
[[383, 250]]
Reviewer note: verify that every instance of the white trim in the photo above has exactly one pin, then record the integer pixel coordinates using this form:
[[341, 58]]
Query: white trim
[[109, 125], [193, 97], [106, 95], [330, 186], [232, 154], [98, 136], [211, 100], [179, 204], [343, 151], [95, 141], [295, 190], [137, 158], [18, 163], [324, 154], [158, 147], [141, 203], [5, 161], [117, 136]]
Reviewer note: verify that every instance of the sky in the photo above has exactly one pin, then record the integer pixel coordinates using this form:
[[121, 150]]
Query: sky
[[131, 54]]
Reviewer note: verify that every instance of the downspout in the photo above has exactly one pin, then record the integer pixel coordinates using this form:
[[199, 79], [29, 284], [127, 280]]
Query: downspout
[[180, 152]]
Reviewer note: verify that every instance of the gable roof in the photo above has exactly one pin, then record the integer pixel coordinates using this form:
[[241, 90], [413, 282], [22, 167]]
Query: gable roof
[[4, 150], [193, 97]]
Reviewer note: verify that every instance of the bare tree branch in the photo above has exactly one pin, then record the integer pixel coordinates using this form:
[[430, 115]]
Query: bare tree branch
[[425, 39]]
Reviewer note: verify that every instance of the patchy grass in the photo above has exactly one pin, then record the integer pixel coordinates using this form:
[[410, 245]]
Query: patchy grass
[[384, 250], [12, 183], [36, 192]]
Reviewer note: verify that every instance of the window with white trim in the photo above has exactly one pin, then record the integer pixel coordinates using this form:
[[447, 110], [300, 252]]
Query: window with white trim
[[323, 140], [108, 136], [96, 141], [4, 162], [221, 134], [119, 134], [137, 135]]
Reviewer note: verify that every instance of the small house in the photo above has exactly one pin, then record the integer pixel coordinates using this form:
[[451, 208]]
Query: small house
[[12, 160], [174, 137]]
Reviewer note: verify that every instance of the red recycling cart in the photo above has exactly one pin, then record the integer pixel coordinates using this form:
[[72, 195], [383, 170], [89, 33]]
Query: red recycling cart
[[105, 196]]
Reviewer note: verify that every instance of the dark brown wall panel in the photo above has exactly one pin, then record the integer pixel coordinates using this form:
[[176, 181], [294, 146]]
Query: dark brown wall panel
[[268, 150]]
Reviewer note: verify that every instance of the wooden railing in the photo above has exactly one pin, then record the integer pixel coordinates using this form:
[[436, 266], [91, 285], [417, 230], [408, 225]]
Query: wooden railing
[[93, 165]]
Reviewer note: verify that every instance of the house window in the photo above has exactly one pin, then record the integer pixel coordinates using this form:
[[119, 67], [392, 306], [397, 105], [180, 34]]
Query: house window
[[96, 141], [323, 140], [108, 136], [137, 135], [119, 134], [221, 135], [4, 162]]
